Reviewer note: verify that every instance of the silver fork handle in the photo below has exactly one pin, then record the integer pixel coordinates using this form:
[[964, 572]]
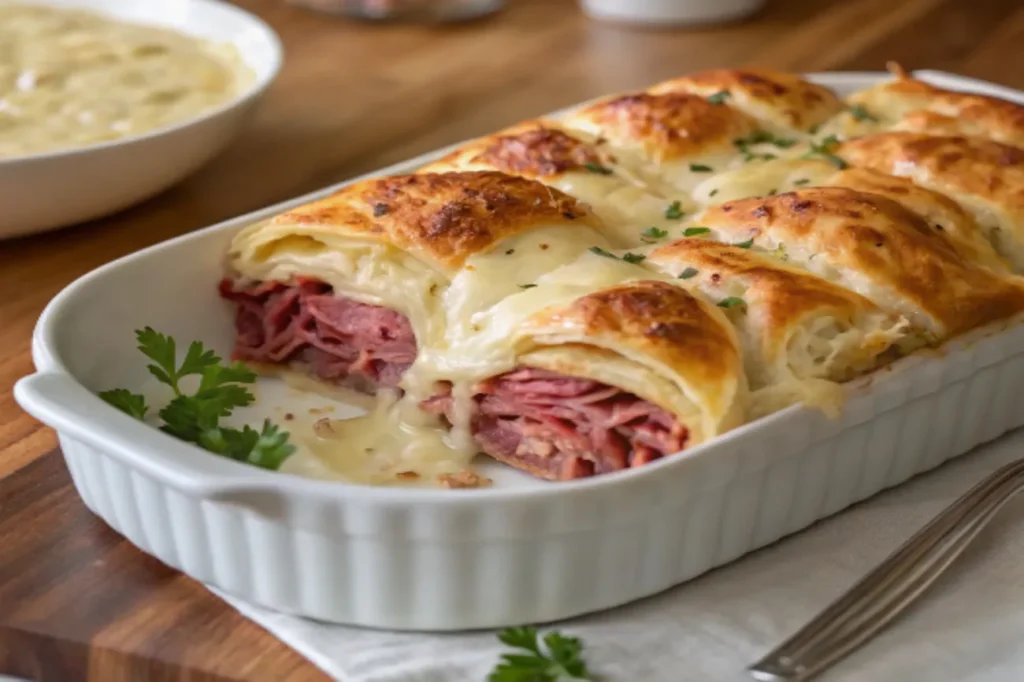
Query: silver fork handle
[[884, 593]]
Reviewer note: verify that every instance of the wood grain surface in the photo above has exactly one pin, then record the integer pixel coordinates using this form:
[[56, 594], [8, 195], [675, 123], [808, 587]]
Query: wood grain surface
[[76, 601]]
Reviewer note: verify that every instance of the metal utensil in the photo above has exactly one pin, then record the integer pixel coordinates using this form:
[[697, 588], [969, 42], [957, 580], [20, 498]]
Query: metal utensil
[[892, 586]]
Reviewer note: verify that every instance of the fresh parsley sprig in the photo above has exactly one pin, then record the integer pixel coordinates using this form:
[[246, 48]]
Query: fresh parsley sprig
[[558, 660], [196, 417]]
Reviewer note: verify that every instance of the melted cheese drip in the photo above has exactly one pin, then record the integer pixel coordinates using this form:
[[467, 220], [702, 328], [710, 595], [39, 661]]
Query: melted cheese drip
[[395, 443], [626, 207], [70, 78], [761, 178], [366, 271]]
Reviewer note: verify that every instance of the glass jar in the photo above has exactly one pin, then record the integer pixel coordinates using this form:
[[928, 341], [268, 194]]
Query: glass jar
[[406, 10]]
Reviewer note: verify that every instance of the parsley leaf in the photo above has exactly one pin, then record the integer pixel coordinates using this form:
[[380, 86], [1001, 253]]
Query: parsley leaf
[[745, 245], [130, 403], [713, 192], [633, 257], [758, 137], [719, 97], [674, 211], [731, 302], [598, 168], [701, 168], [801, 182], [527, 286], [601, 252], [196, 418], [559, 660], [694, 231], [688, 273], [654, 233], [824, 150], [861, 114]]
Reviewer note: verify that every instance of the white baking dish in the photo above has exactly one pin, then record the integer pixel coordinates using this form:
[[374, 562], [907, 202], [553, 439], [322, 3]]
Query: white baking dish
[[520, 552]]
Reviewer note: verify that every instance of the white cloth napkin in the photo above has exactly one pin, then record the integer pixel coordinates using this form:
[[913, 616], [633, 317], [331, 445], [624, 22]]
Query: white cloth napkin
[[970, 626]]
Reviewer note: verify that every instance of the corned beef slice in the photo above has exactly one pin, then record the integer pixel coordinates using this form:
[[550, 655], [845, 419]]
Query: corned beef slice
[[561, 427], [339, 339]]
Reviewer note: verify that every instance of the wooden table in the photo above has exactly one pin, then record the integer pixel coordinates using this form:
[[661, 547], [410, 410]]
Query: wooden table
[[76, 601]]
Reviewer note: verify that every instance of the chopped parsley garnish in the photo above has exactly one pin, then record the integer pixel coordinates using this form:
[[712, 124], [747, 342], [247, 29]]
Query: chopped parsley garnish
[[719, 97], [780, 252], [598, 168], [824, 150], [731, 302], [510, 252], [527, 286], [745, 245], [628, 257], [688, 273], [713, 192], [701, 168], [743, 144], [674, 211], [196, 418], [801, 182], [772, 192], [861, 114], [653, 233], [558, 660], [694, 231]]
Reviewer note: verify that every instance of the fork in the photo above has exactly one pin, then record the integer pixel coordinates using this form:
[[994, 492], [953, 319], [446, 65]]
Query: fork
[[873, 602]]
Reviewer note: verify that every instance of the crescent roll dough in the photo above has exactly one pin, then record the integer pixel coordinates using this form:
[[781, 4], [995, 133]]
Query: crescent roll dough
[[672, 141], [986, 178], [784, 101], [908, 104], [941, 212], [544, 152], [799, 332], [426, 249], [603, 351], [875, 247]]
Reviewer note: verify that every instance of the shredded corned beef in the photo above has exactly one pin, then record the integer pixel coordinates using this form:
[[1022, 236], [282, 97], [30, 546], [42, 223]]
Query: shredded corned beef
[[560, 427], [340, 340]]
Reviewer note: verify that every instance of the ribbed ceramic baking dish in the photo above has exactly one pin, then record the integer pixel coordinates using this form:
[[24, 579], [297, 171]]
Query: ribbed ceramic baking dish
[[520, 552]]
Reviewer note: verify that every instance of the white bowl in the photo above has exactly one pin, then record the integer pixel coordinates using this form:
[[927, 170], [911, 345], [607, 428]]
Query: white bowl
[[670, 12], [60, 188]]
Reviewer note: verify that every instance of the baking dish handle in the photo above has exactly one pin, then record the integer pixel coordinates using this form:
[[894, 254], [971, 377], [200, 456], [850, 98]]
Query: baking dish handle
[[62, 403]]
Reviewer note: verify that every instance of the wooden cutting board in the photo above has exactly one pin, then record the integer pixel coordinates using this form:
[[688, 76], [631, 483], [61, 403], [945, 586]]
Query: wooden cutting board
[[77, 602]]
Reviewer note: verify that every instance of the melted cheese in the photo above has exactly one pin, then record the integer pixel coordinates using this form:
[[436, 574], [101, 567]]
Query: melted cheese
[[395, 443], [366, 271]]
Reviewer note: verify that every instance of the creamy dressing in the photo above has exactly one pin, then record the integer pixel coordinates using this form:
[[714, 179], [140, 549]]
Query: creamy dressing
[[70, 78]]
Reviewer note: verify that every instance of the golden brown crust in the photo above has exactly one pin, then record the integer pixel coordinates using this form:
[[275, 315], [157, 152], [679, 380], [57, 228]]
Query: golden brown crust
[[942, 153], [443, 218], [532, 150], [655, 319], [781, 98], [942, 213], [668, 126], [919, 106], [785, 295], [985, 177], [872, 237]]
